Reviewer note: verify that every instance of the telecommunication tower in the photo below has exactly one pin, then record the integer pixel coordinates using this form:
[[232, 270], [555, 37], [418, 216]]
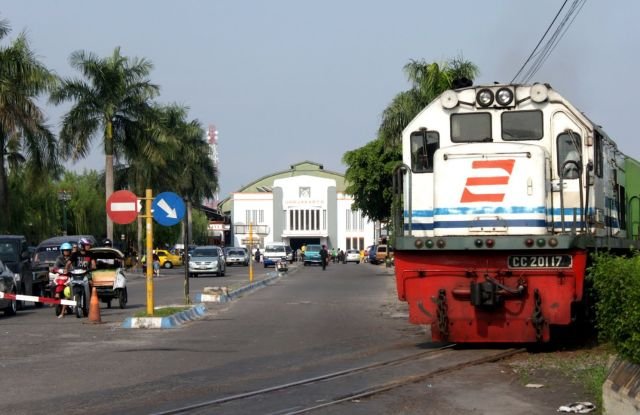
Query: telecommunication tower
[[212, 139]]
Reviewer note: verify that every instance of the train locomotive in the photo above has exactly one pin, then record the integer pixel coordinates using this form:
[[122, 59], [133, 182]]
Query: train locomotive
[[503, 192]]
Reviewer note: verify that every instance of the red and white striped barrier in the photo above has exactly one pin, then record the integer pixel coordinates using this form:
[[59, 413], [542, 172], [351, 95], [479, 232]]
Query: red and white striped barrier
[[45, 300]]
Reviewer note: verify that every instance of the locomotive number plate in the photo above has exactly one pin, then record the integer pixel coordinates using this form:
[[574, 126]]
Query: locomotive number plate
[[540, 261]]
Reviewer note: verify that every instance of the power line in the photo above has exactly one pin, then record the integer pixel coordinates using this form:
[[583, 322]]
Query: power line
[[541, 54]]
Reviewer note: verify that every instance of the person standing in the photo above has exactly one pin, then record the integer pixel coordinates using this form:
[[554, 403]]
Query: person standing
[[156, 264], [257, 255], [324, 256]]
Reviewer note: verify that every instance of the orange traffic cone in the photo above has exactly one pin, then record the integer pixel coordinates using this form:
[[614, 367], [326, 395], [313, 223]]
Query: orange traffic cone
[[94, 307]]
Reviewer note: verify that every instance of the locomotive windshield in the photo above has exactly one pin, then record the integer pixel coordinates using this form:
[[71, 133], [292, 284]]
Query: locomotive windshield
[[521, 125], [569, 154], [471, 128], [423, 146]]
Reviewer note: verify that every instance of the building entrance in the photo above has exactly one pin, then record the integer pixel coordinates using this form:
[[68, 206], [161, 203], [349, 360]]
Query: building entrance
[[296, 243]]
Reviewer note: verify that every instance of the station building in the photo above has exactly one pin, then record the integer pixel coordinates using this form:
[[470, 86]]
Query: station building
[[303, 205]]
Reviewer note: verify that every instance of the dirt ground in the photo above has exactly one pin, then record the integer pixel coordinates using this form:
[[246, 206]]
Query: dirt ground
[[525, 384]]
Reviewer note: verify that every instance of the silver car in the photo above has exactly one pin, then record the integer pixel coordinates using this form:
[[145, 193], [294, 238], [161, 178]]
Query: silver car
[[207, 260], [237, 256], [7, 285]]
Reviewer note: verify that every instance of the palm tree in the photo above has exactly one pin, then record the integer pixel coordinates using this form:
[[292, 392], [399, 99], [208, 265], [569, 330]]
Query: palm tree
[[428, 80], [173, 156], [115, 94], [24, 137], [194, 175]]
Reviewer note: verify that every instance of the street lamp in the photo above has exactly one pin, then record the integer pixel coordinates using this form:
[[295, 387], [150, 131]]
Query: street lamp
[[64, 196]]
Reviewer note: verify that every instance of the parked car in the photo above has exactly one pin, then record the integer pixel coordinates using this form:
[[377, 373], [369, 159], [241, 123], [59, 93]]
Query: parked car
[[7, 285], [312, 255], [237, 256], [289, 252], [352, 255], [30, 278], [207, 260], [371, 254], [383, 252]]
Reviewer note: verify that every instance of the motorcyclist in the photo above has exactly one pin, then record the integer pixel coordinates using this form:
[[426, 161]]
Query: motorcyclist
[[62, 265], [83, 258], [63, 262]]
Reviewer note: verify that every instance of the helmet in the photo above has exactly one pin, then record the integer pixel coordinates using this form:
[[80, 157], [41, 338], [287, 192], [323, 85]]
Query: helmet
[[107, 242], [84, 241], [65, 246]]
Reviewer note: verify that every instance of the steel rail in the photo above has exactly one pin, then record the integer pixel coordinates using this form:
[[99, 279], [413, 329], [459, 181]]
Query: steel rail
[[408, 380], [301, 382]]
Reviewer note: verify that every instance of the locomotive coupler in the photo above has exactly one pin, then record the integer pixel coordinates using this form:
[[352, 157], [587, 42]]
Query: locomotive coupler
[[491, 293]]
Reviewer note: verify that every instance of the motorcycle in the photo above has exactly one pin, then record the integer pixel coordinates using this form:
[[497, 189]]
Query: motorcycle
[[79, 283], [73, 285], [59, 287]]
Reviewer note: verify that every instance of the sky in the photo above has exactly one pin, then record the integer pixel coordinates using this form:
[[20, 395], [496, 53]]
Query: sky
[[287, 81]]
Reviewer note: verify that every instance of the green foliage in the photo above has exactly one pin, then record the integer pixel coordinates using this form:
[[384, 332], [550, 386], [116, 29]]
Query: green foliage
[[369, 178], [616, 280], [370, 168], [200, 227]]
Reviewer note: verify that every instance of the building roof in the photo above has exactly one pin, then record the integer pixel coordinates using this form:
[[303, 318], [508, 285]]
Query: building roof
[[265, 184]]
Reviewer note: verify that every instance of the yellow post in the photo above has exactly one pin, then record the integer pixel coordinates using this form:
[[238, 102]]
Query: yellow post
[[149, 223], [250, 253]]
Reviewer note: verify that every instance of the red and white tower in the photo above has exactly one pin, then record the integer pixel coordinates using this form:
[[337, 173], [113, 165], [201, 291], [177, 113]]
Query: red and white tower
[[212, 139]]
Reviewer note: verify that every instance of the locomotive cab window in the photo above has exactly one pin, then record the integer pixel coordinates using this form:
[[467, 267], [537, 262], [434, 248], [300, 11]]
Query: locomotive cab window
[[423, 146], [521, 125], [471, 128], [569, 155]]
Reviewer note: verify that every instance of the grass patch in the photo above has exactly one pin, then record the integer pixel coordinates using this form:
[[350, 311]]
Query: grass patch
[[162, 312]]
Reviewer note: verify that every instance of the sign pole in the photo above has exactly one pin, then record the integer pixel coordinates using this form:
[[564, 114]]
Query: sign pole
[[250, 252], [149, 225], [187, 300]]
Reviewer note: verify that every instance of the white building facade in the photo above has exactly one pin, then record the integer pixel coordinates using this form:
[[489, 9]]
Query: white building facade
[[301, 206]]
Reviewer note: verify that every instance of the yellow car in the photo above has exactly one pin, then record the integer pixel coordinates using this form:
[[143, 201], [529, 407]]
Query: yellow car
[[167, 259]]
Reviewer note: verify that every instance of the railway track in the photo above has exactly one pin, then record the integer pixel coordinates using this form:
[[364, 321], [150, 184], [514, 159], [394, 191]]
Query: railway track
[[335, 388]]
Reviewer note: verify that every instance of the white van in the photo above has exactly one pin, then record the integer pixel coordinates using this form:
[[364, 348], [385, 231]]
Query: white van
[[273, 252]]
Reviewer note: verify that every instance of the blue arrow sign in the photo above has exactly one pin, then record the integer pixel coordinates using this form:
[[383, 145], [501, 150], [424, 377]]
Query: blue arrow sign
[[168, 208]]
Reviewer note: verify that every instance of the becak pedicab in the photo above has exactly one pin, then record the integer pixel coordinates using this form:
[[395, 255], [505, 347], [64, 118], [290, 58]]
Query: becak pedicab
[[109, 277]]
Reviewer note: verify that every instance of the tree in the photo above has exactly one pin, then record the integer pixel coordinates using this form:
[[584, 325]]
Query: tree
[[369, 178], [194, 175], [370, 168], [114, 94], [24, 137], [428, 80]]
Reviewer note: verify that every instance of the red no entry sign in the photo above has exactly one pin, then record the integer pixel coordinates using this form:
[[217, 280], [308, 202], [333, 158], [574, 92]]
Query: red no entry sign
[[122, 207]]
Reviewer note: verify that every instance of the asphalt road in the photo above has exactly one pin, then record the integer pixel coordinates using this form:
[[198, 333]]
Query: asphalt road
[[306, 323]]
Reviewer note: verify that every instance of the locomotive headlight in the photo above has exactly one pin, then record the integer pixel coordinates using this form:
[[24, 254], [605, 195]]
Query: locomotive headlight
[[541, 242], [441, 243], [478, 242], [484, 97], [504, 96], [429, 243], [418, 243], [553, 242]]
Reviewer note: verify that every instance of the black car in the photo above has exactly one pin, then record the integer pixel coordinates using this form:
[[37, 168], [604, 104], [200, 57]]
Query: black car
[[30, 278]]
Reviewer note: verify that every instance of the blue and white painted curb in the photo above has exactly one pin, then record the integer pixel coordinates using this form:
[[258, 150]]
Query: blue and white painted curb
[[232, 295], [194, 313]]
